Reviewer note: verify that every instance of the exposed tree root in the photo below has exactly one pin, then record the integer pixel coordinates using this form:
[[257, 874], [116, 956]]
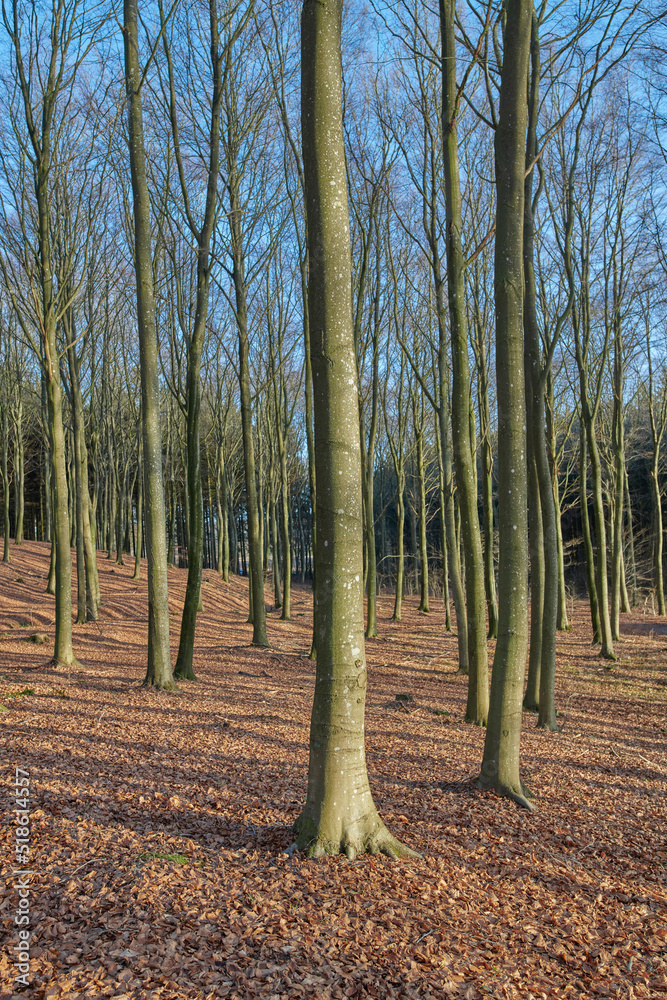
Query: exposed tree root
[[475, 720], [521, 794], [550, 724], [60, 665], [169, 687], [316, 843], [185, 675]]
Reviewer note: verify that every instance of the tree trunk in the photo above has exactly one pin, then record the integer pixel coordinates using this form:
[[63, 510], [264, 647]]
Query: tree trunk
[[275, 560], [5, 485], [544, 556], [618, 445], [500, 765], [589, 556], [421, 476], [339, 814], [19, 472], [140, 517], [477, 706], [158, 673], [400, 556]]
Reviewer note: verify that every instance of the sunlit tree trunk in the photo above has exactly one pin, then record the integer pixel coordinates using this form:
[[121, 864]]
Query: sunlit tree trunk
[[159, 672], [500, 764], [464, 446], [339, 814]]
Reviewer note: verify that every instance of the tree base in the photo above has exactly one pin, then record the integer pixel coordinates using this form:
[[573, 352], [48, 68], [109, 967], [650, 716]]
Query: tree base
[[521, 795], [185, 675], [530, 705], [548, 724], [57, 664], [315, 843], [169, 687]]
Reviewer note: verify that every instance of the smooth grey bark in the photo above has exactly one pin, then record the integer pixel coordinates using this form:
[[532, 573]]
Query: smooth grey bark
[[396, 442], [158, 672], [500, 764], [5, 483], [19, 464], [368, 461], [486, 461], [418, 424], [41, 154], [140, 517], [339, 814], [657, 422], [258, 611], [554, 453], [542, 520], [477, 706], [202, 234], [253, 511], [589, 555]]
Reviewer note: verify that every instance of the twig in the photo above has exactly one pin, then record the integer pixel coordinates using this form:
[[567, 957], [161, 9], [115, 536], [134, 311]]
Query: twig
[[432, 931], [89, 862], [646, 761]]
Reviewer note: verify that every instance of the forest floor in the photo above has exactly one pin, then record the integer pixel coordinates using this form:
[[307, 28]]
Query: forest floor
[[159, 824]]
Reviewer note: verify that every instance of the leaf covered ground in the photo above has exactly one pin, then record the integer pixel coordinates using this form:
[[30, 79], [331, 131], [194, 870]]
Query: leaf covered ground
[[161, 823]]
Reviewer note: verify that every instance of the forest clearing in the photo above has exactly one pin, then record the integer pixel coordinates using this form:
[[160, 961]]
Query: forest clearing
[[160, 823]]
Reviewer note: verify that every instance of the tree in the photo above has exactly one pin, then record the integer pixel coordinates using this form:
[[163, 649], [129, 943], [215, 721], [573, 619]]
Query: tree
[[464, 445], [158, 672], [45, 72], [339, 814], [500, 763], [192, 315]]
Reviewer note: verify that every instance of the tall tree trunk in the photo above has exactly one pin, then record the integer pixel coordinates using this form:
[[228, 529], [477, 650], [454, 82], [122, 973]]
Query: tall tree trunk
[[631, 541], [421, 486], [140, 517], [19, 472], [275, 560], [500, 764], [400, 556], [657, 537], [562, 623], [285, 536], [544, 554], [618, 449], [5, 485], [158, 673], [443, 536], [454, 560], [477, 706], [339, 814], [259, 635], [589, 556]]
